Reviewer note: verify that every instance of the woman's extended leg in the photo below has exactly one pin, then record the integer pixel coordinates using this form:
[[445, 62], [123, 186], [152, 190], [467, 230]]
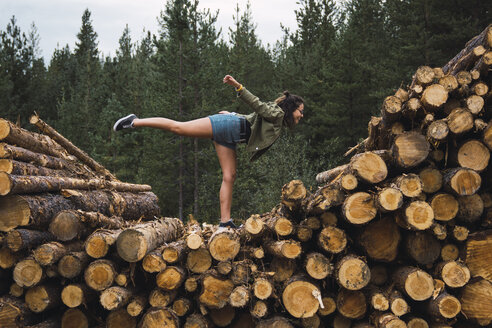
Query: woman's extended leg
[[199, 128], [227, 160]]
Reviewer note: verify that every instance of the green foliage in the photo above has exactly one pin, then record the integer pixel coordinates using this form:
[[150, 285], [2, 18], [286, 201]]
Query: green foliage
[[343, 59]]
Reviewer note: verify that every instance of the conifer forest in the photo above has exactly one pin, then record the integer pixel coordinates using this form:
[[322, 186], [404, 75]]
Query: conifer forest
[[343, 58]]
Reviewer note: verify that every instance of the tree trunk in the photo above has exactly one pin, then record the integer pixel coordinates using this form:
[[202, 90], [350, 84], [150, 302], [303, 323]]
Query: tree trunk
[[462, 181], [293, 193], [460, 121], [136, 306], [14, 167], [32, 141], [280, 226], [49, 253], [17, 184], [115, 297], [98, 243], [134, 243], [20, 239], [154, 262], [70, 148], [444, 306], [24, 155]]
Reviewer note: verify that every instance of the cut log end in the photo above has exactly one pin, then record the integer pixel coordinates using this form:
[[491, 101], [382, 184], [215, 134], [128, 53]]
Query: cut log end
[[131, 245], [370, 167], [353, 273], [298, 299], [419, 285], [359, 208]]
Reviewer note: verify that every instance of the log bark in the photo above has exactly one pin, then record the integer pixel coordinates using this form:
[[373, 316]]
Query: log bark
[[70, 148], [174, 252], [24, 155], [14, 312], [444, 306], [134, 243], [197, 321], [98, 243], [35, 142], [289, 249], [115, 297], [8, 258], [20, 239], [14, 167], [17, 184], [50, 253], [470, 208]]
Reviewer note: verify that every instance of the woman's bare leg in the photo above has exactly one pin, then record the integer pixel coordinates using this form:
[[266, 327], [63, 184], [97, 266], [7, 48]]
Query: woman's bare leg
[[199, 128], [227, 160]]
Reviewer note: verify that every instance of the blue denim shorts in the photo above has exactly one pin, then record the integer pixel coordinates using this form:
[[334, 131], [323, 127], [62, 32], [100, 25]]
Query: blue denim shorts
[[226, 129]]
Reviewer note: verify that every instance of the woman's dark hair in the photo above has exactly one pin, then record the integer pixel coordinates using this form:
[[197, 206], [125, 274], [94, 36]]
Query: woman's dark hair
[[289, 103]]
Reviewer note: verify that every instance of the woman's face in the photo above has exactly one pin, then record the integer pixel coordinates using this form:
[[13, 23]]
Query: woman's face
[[298, 113]]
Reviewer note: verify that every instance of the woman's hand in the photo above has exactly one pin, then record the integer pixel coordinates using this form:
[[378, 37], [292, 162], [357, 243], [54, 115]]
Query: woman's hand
[[231, 81]]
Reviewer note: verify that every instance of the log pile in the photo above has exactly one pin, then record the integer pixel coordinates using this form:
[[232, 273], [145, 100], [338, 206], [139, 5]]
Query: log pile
[[400, 236]]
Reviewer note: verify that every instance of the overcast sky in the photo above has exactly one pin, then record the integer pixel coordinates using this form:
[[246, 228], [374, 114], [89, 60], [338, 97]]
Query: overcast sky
[[59, 21]]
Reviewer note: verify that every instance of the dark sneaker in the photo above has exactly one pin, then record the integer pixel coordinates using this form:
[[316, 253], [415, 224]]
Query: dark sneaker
[[124, 122], [228, 224]]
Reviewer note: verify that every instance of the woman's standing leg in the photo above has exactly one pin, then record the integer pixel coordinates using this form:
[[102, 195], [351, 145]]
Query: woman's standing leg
[[227, 160]]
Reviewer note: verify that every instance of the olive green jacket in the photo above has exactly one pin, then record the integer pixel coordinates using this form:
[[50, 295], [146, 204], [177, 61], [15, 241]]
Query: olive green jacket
[[266, 123]]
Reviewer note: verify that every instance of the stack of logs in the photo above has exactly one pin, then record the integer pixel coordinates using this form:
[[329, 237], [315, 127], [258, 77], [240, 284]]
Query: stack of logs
[[401, 236]]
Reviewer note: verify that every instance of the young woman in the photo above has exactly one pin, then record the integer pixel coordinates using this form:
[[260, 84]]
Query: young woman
[[259, 130]]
